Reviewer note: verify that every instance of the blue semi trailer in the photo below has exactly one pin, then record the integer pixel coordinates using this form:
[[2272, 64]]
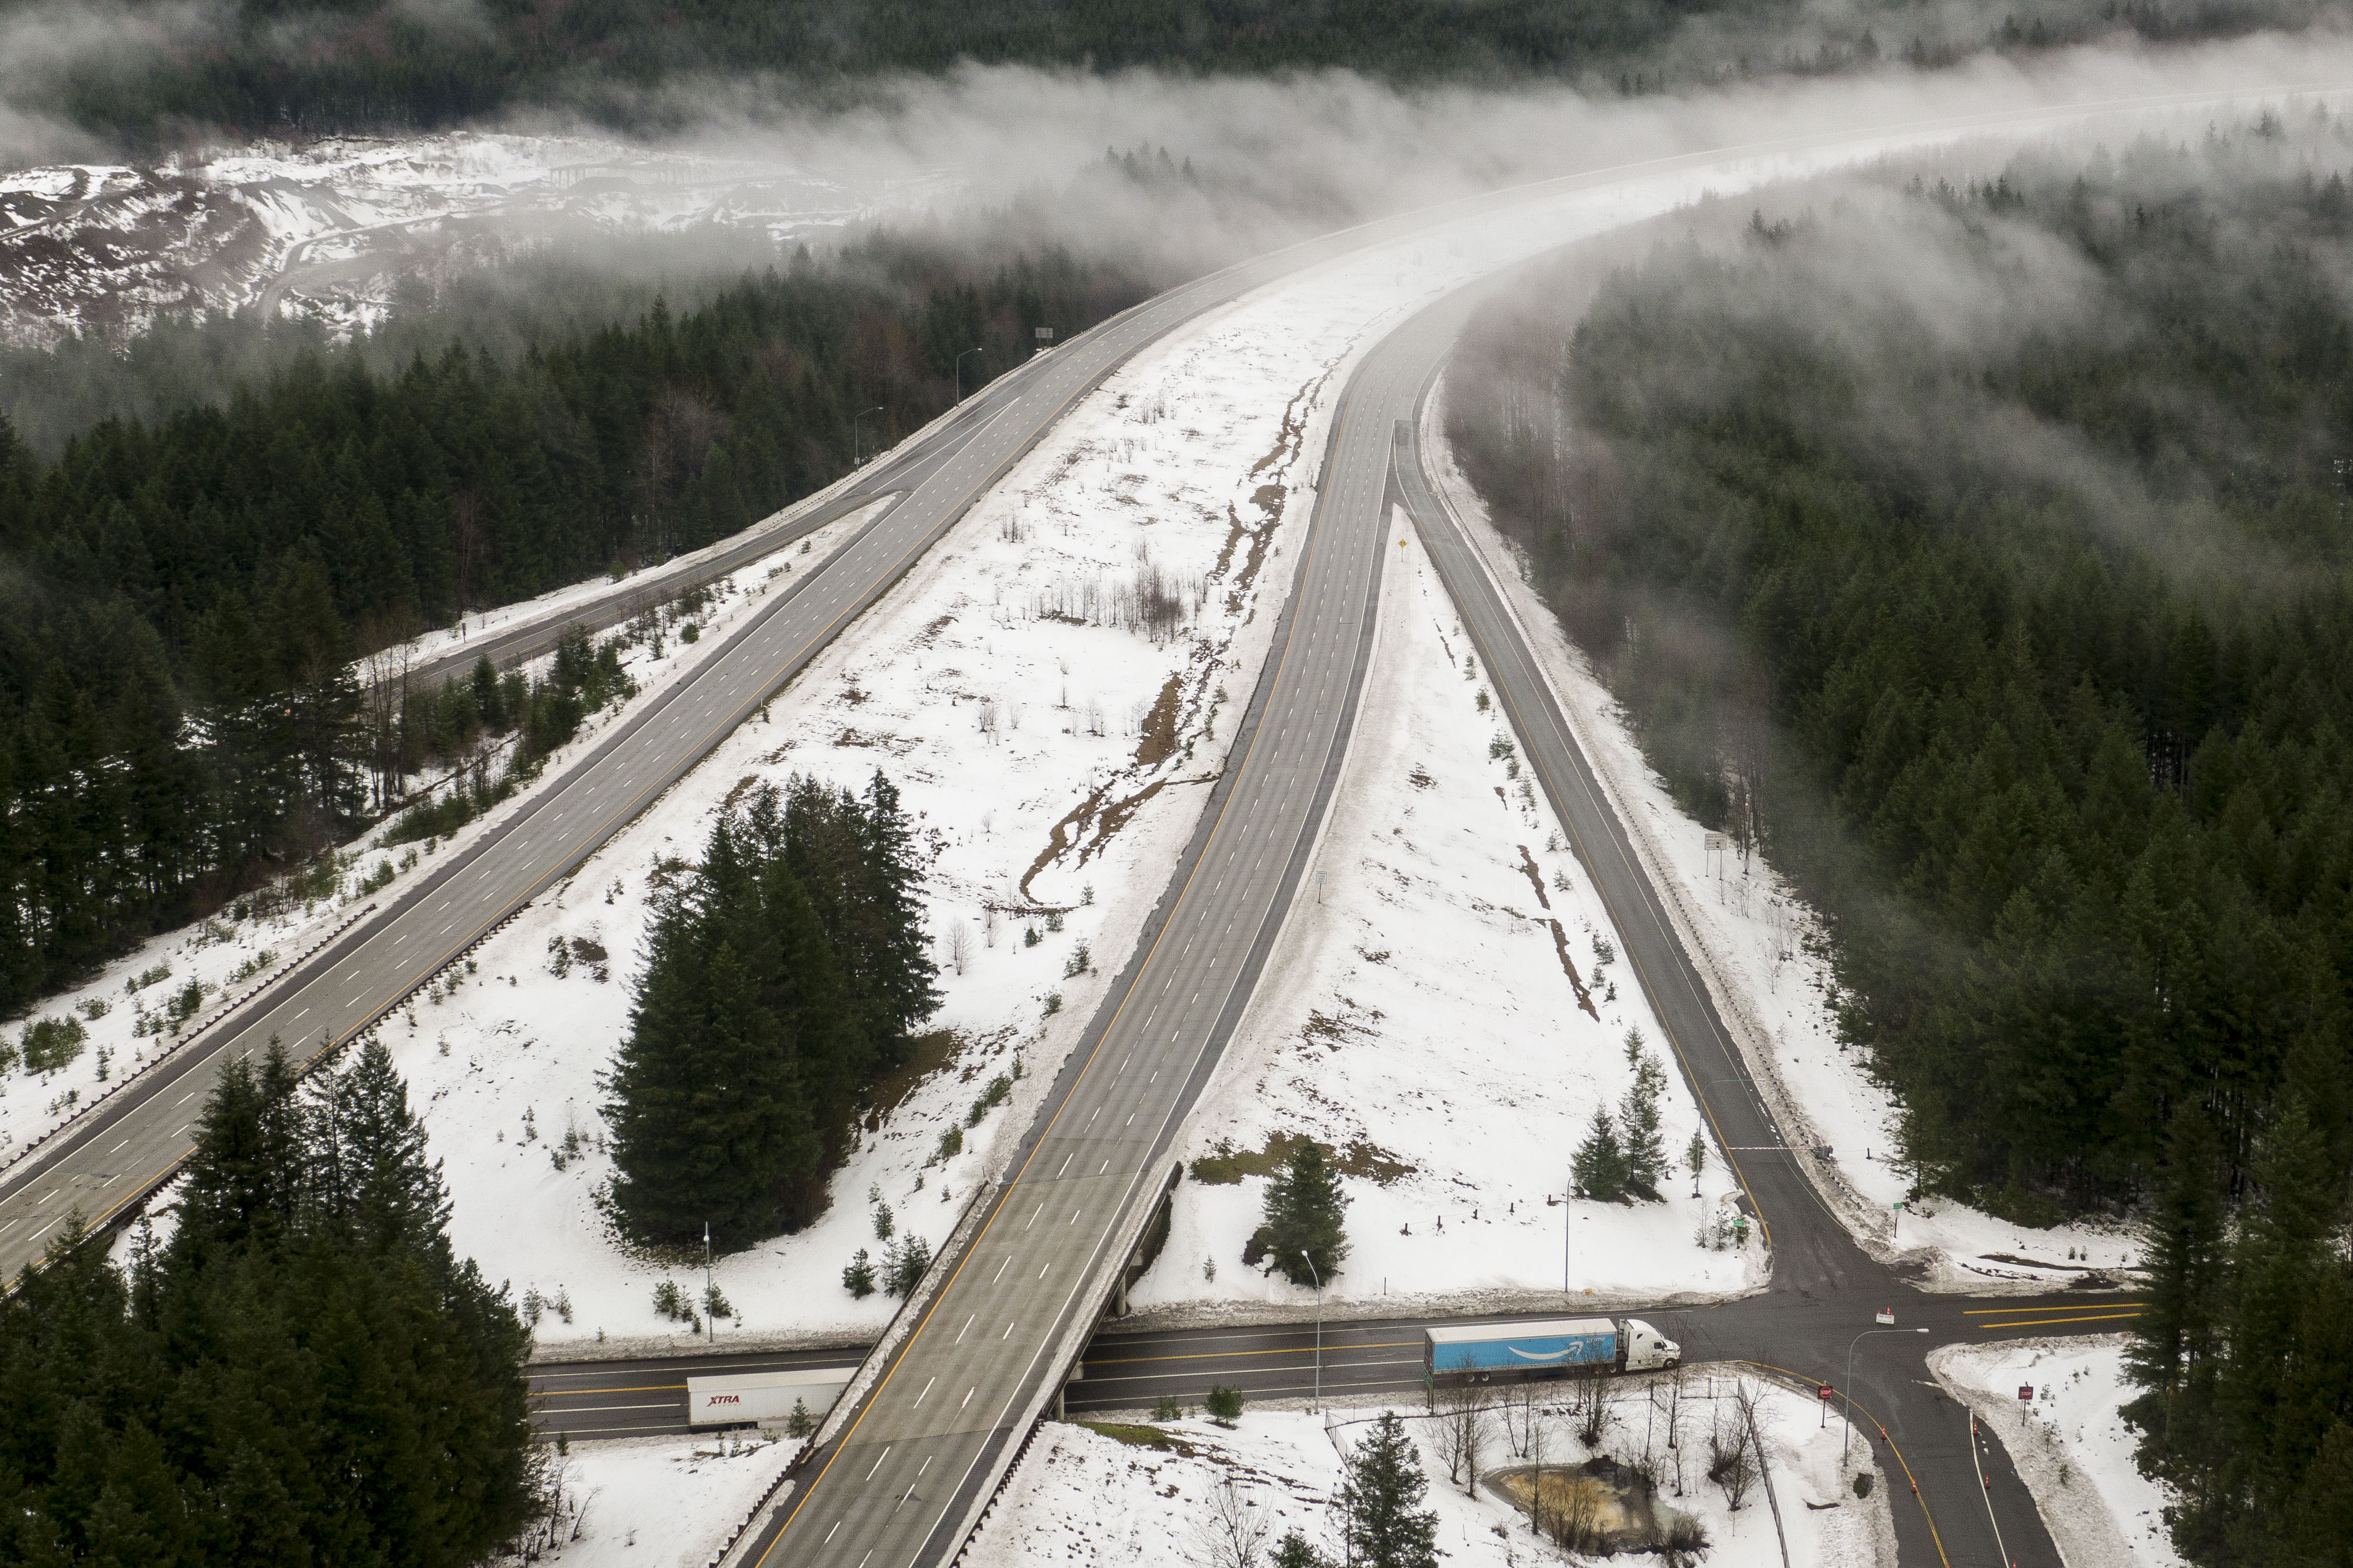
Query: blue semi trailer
[[1481, 1352]]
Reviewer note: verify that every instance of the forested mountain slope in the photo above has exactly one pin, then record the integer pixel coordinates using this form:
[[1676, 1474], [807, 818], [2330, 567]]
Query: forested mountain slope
[[180, 600], [1981, 555]]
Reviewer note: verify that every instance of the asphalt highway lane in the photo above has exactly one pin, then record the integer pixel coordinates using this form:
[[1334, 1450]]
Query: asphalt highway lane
[[1825, 1289], [927, 1446], [900, 470], [646, 1396], [105, 1163]]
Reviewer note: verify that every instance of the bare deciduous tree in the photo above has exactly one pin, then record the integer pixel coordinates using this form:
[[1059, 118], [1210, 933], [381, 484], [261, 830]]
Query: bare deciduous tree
[[959, 945], [1731, 1454], [1229, 1531], [1461, 1418]]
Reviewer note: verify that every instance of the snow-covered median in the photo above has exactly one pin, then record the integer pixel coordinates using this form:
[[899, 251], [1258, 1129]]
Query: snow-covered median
[[1760, 950], [2072, 1449], [1122, 1492], [1444, 1010], [1050, 688]]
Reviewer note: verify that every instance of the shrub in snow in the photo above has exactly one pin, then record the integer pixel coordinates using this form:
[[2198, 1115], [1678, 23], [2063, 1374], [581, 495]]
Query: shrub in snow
[[857, 1278], [53, 1043], [904, 1263], [1224, 1404], [1000, 1088]]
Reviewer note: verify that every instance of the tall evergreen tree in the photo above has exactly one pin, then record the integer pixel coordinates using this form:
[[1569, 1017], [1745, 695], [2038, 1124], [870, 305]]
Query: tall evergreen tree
[[2175, 1339], [1306, 1213], [1382, 1520], [749, 1050], [1598, 1170], [1641, 1146]]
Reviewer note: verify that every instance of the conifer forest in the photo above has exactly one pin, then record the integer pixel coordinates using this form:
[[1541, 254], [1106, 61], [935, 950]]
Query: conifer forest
[[180, 715], [1977, 554], [1388, 706]]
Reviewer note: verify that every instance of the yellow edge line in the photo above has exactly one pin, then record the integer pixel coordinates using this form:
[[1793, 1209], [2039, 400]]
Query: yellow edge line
[[1917, 1495], [638, 1388], [1225, 1355]]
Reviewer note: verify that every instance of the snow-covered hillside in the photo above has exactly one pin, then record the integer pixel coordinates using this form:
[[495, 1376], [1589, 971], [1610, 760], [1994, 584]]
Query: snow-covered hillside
[[332, 228]]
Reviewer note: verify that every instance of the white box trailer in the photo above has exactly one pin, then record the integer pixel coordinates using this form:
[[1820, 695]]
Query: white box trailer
[[742, 1398]]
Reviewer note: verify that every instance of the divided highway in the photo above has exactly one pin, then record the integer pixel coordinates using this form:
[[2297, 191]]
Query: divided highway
[[929, 1445], [112, 1156]]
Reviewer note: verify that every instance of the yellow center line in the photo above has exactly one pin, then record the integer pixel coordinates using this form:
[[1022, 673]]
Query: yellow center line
[[1221, 1355], [2060, 1307], [2039, 1322], [635, 1388]]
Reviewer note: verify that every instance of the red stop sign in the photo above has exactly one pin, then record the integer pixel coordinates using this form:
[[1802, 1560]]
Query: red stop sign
[[2026, 1391], [1826, 1391]]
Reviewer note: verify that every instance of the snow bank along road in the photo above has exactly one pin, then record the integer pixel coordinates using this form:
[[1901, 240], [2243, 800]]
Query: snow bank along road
[[102, 1165], [1826, 1290], [906, 1470]]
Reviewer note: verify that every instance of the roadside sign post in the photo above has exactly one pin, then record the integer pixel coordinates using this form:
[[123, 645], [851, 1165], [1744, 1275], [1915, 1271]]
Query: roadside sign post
[[1886, 1315], [1826, 1408], [1311, 1274]]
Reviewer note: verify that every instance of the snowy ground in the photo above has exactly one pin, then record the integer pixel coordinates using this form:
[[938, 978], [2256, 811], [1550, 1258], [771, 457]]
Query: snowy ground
[[1083, 1497], [1443, 1009], [1760, 950], [1047, 744], [2070, 1447], [127, 1011], [657, 1502], [330, 230], [1057, 752]]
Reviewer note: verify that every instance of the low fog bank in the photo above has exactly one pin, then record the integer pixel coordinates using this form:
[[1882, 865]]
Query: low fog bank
[[150, 74], [1000, 160], [1967, 535]]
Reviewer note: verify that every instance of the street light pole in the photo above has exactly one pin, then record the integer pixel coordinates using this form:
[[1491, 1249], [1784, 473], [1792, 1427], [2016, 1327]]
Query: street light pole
[[709, 1321], [856, 460], [1311, 1274], [1849, 1435], [959, 369]]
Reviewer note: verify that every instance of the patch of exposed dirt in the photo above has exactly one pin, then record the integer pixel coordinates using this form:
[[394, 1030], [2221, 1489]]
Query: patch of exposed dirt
[[931, 1053], [1226, 1165], [1159, 737], [1559, 937]]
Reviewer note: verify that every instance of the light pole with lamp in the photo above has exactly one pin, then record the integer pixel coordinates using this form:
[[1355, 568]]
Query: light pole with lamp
[[855, 460], [959, 369], [1857, 1338], [710, 1318], [1311, 1274]]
